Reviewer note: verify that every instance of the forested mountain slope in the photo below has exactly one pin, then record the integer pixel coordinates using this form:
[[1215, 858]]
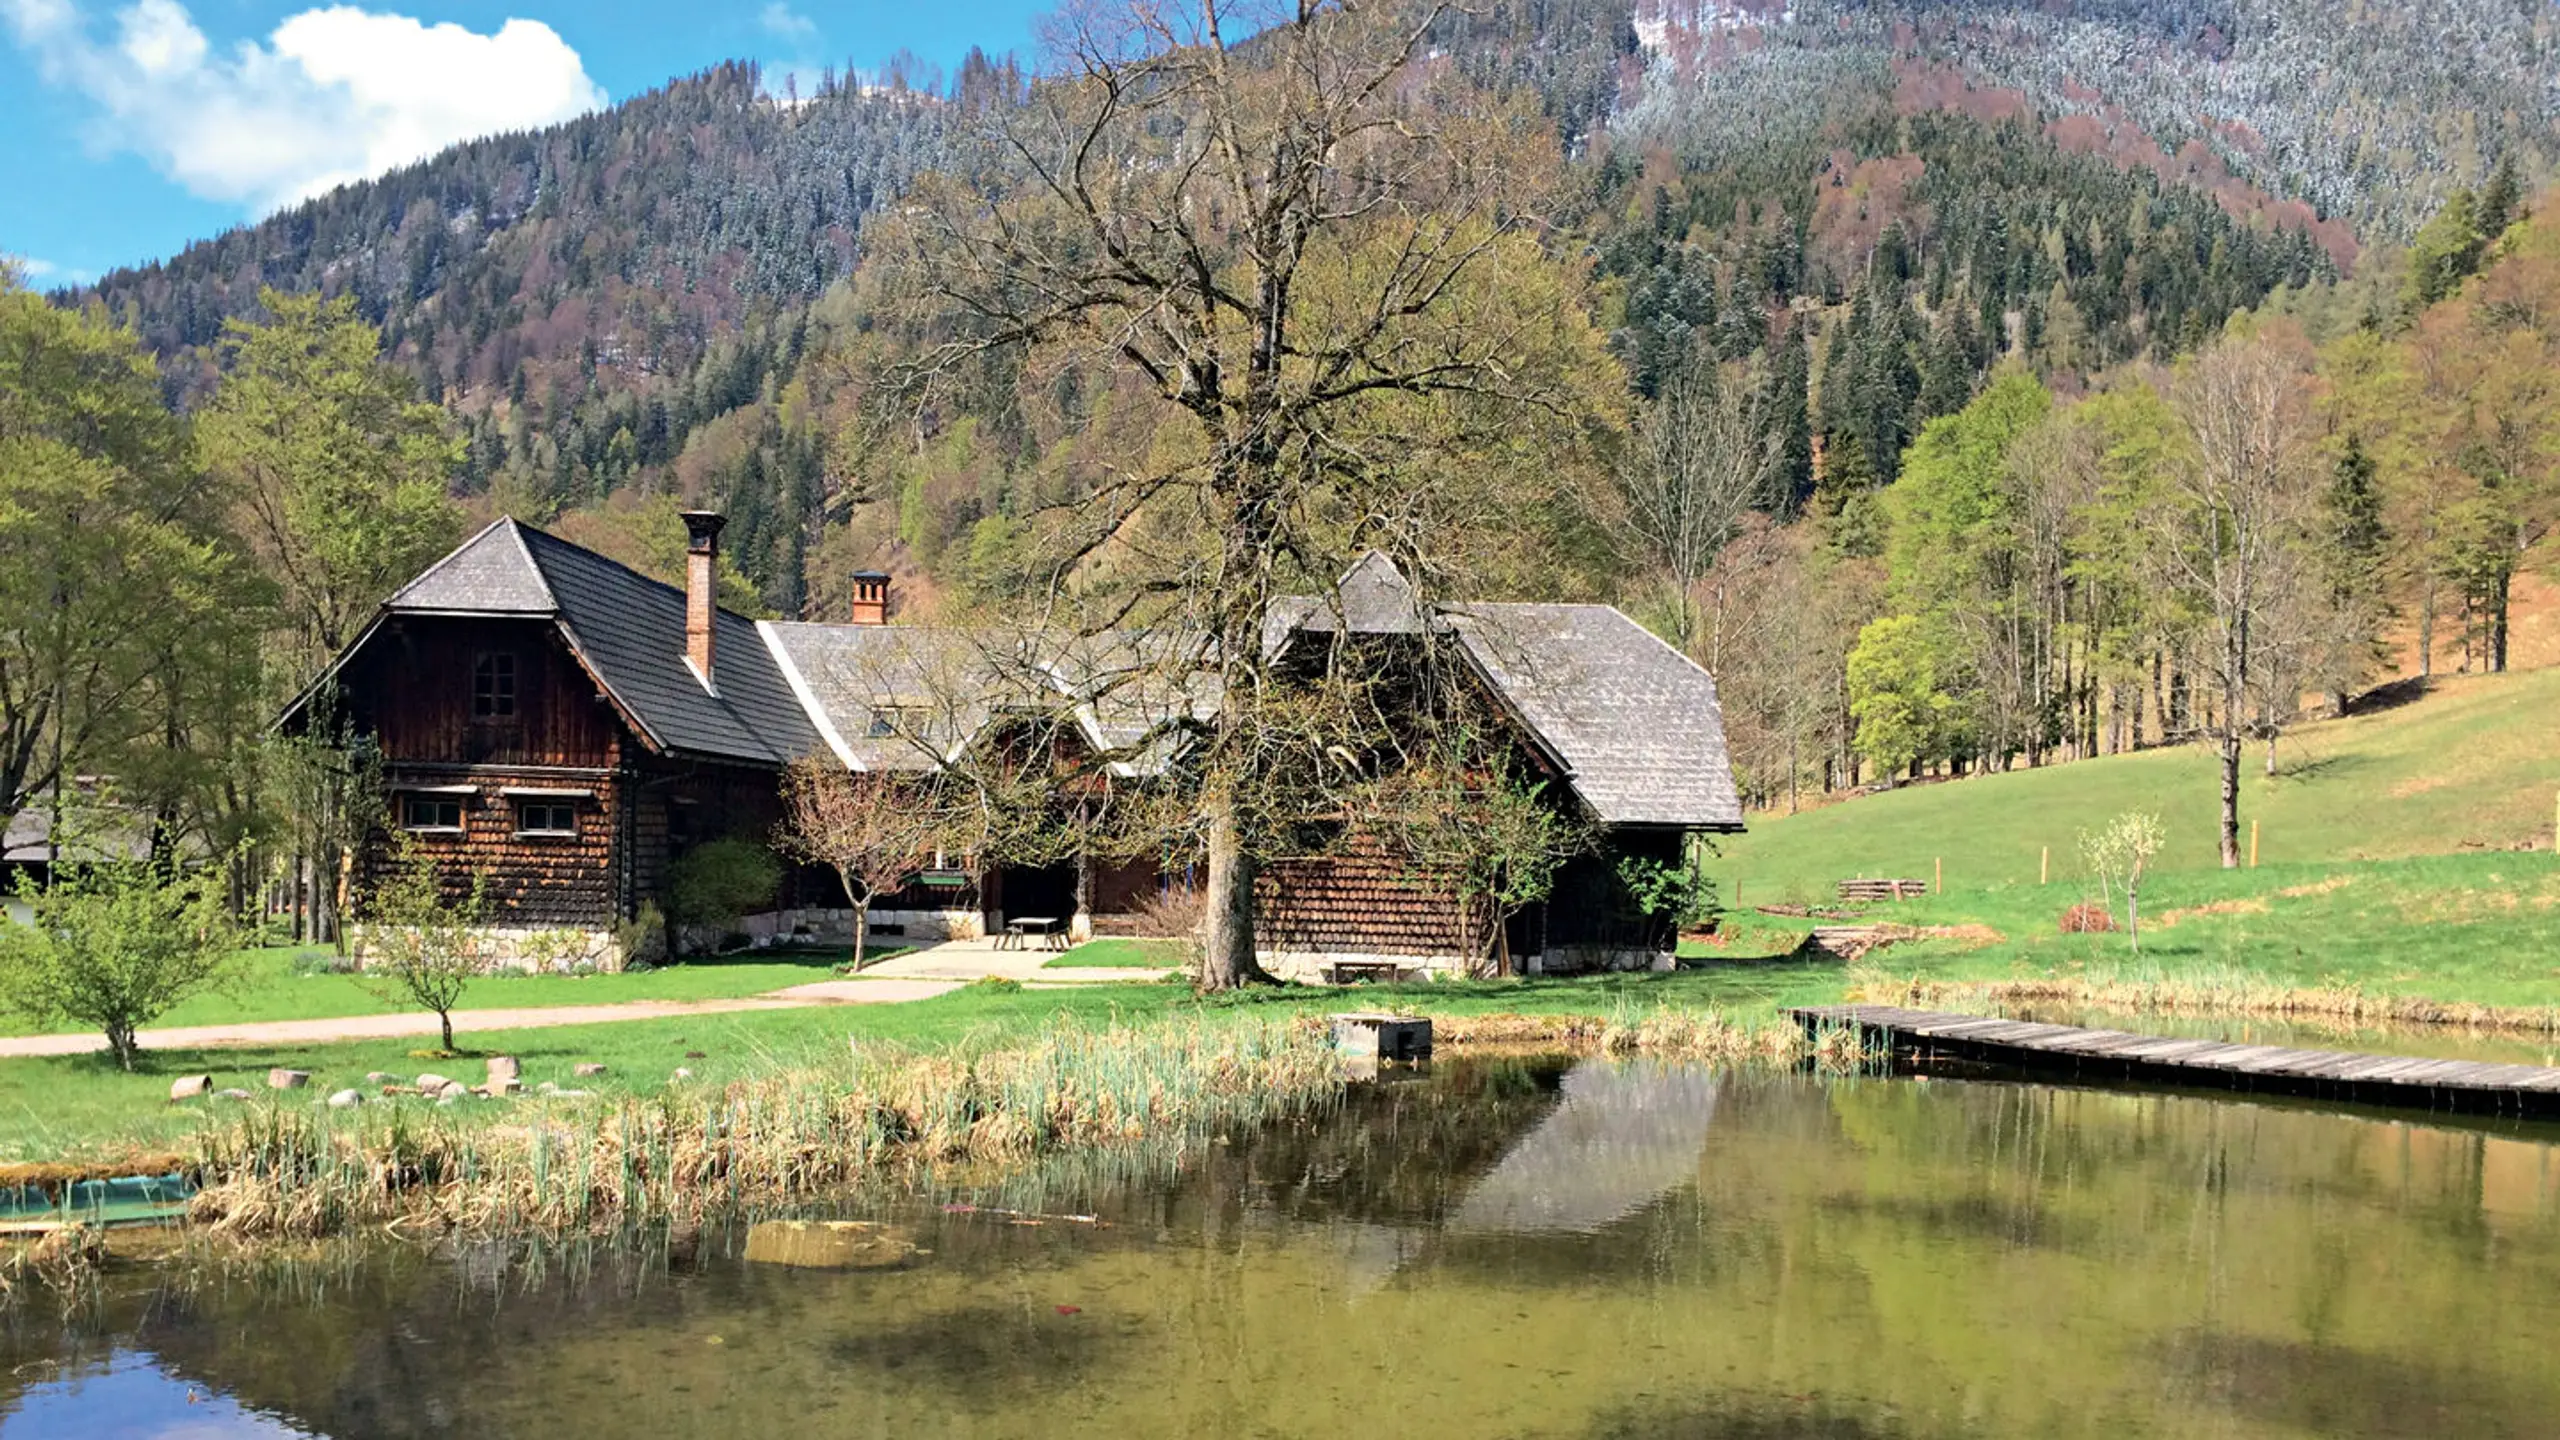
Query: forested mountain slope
[[1869, 204]]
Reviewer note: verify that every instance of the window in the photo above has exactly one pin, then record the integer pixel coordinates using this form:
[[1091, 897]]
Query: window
[[546, 817], [431, 812], [493, 687], [889, 720]]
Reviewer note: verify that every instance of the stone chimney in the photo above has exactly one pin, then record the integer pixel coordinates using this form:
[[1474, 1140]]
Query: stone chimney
[[870, 597], [701, 590]]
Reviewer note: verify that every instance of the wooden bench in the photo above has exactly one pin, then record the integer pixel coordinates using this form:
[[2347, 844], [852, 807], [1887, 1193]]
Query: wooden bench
[[1882, 889], [1345, 971]]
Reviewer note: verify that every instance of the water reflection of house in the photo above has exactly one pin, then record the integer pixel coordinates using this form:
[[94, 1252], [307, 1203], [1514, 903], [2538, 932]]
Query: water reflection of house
[[1623, 1135], [570, 728]]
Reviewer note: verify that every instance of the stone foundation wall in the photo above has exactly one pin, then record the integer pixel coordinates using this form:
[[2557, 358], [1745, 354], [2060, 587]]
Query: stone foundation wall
[[1315, 967], [1574, 959], [826, 926], [535, 950]]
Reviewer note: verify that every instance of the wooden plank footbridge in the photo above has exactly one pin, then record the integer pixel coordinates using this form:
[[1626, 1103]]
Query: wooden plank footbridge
[[2467, 1087]]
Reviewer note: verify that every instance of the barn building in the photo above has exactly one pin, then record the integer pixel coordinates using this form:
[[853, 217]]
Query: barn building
[[568, 727]]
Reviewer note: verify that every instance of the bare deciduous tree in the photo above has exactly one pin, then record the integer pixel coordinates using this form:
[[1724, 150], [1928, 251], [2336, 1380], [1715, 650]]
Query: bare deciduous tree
[[1313, 260], [2232, 534], [875, 830], [1700, 464]]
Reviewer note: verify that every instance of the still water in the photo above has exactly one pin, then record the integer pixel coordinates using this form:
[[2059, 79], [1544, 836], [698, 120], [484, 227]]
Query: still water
[[1518, 1248]]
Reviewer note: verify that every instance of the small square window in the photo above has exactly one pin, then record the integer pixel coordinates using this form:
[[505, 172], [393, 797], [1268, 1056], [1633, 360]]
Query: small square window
[[546, 817], [894, 720], [431, 812], [493, 687]]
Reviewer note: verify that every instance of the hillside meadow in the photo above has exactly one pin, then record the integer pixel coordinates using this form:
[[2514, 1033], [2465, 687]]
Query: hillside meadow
[[2471, 766]]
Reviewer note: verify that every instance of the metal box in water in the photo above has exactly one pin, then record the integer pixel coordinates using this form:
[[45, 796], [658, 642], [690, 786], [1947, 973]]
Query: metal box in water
[[1383, 1037]]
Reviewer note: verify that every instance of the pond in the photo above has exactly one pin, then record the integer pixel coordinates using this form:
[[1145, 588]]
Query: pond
[[1535, 1248]]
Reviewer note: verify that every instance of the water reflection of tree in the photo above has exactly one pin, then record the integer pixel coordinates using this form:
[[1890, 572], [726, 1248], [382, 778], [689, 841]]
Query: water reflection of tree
[[1399, 1153]]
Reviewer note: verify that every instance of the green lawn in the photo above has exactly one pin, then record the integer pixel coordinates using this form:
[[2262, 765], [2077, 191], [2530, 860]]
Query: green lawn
[[272, 985], [1122, 954], [2480, 928], [56, 1107], [2473, 766]]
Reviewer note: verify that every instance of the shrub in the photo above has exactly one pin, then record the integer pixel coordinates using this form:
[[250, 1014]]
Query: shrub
[[1676, 897], [114, 946], [2087, 919], [715, 883]]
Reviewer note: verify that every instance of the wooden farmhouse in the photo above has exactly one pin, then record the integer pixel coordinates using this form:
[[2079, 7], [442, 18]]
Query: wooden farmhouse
[[568, 728]]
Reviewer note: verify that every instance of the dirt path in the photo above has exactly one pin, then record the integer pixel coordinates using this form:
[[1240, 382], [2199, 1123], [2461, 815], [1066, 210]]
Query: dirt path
[[390, 1027]]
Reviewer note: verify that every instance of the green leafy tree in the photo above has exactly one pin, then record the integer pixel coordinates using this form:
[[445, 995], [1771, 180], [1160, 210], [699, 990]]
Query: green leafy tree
[[110, 566], [713, 884], [425, 943], [340, 469], [1895, 698], [114, 945]]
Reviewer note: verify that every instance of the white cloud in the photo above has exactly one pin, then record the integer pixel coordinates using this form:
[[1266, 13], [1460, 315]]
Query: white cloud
[[781, 20], [334, 95]]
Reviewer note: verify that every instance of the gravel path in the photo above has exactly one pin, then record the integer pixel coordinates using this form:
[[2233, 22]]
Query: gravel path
[[389, 1027]]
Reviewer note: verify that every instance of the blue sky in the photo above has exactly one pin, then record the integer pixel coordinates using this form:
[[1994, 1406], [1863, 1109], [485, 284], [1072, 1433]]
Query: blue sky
[[130, 127]]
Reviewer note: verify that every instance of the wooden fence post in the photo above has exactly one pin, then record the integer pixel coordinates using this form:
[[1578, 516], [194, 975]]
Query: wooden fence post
[[2044, 866]]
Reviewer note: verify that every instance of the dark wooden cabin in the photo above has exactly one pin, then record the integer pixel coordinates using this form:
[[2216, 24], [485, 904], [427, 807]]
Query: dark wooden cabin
[[568, 728]]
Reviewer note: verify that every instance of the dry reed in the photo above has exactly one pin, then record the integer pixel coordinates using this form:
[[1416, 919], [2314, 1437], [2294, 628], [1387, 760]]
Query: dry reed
[[682, 1156]]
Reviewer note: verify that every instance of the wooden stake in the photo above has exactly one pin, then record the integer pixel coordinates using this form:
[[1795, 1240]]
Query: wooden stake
[[2253, 844], [2044, 867]]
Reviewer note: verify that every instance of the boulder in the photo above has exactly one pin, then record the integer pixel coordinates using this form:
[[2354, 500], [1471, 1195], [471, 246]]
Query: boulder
[[283, 1079], [504, 1069], [681, 1074], [450, 1093], [231, 1095], [379, 1077], [830, 1245], [187, 1087], [498, 1089], [430, 1083], [346, 1099], [547, 1087], [587, 1069]]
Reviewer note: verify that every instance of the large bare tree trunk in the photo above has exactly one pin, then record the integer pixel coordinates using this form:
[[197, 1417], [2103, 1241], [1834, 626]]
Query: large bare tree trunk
[[1226, 921]]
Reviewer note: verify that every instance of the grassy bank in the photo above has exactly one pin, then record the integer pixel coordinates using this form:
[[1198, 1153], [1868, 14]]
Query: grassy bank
[[2469, 767]]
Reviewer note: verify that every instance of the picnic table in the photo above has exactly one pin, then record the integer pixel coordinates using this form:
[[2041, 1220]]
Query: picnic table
[[1049, 928]]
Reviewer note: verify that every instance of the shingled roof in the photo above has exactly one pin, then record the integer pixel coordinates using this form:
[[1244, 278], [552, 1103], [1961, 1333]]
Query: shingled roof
[[900, 697], [628, 631], [1635, 722]]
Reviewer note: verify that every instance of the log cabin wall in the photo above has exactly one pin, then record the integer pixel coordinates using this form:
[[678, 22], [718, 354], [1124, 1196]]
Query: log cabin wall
[[472, 691], [500, 758], [1359, 900], [678, 804]]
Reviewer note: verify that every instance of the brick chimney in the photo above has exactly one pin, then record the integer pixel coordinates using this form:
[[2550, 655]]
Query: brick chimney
[[701, 589], [870, 597]]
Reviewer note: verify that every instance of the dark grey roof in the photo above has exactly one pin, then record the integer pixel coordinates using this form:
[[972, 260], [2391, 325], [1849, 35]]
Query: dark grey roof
[[1635, 722], [629, 631]]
